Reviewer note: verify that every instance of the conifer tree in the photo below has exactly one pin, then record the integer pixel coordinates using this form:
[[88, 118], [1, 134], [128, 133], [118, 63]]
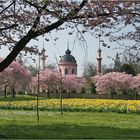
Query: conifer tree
[[117, 63]]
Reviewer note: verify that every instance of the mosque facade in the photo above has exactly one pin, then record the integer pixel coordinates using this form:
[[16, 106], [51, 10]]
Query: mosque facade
[[68, 64]]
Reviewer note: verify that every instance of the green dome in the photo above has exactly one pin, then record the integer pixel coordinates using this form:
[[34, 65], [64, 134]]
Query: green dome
[[67, 57]]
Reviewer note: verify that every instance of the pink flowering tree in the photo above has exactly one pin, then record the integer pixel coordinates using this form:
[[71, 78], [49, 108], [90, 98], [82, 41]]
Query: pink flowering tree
[[17, 77], [113, 82], [49, 80], [4, 80], [123, 82], [34, 84], [95, 78], [70, 83], [135, 85]]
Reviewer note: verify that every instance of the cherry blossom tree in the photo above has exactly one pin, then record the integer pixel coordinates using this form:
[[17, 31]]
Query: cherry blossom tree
[[17, 78], [24, 20], [135, 85], [34, 84], [95, 78], [4, 80], [113, 82], [70, 83], [49, 80]]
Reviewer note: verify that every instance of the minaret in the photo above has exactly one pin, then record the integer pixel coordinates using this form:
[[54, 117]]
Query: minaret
[[42, 59], [99, 59]]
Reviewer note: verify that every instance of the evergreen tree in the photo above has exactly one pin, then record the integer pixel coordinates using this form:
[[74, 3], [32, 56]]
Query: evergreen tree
[[117, 63], [129, 69]]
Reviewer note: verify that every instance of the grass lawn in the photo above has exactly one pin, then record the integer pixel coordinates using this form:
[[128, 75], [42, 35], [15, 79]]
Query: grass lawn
[[79, 125], [18, 98]]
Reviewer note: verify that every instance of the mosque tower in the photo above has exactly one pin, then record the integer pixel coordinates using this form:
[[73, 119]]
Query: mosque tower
[[99, 59]]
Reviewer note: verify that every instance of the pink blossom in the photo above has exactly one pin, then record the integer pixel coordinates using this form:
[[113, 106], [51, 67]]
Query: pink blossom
[[70, 82], [113, 82], [135, 83]]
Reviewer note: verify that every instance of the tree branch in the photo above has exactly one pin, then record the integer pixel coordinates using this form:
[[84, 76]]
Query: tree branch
[[32, 34], [7, 7], [9, 27], [18, 47], [32, 4]]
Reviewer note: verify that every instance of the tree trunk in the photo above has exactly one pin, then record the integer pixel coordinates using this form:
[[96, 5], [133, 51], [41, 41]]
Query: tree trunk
[[135, 95], [13, 92], [111, 94], [5, 89], [69, 93], [23, 41], [48, 94]]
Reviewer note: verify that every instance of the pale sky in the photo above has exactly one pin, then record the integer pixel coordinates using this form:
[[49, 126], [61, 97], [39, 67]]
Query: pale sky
[[81, 54]]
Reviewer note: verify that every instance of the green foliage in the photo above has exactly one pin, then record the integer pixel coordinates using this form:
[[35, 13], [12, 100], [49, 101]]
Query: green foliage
[[83, 90], [71, 125], [21, 92], [117, 63], [78, 105], [18, 98], [90, 86], [128, 68], [93, 88]]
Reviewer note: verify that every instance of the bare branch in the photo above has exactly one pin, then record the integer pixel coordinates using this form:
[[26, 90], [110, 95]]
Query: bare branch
[[7, 7], [32, 4], [9, 27]]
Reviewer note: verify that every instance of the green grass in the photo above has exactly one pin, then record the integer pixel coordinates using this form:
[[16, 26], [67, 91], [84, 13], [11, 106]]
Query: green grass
[[18, 98], [71, 125]]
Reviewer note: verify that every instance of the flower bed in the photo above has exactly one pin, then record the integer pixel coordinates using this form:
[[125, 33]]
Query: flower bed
[[100, 105]]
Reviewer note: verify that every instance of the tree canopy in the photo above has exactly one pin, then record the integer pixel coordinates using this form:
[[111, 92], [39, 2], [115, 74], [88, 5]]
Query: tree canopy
[[24, 20]]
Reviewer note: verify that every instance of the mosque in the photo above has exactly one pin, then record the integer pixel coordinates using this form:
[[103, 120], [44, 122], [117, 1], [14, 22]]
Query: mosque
[[68, 64]]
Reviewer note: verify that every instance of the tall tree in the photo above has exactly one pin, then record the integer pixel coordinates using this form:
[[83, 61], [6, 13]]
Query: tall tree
[[117, 63], [89, 70], [24, 20], [131, 57], [128, 69]]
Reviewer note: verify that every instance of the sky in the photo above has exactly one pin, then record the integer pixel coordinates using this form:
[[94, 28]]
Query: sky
[[81, 54], [55, 49]]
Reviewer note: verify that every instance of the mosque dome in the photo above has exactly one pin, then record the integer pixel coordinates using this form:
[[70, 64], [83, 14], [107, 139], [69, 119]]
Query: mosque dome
[[67, 58]]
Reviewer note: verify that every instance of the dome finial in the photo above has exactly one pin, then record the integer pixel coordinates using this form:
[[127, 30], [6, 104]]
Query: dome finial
[[68, 51], [68, 45], [43, 49]]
